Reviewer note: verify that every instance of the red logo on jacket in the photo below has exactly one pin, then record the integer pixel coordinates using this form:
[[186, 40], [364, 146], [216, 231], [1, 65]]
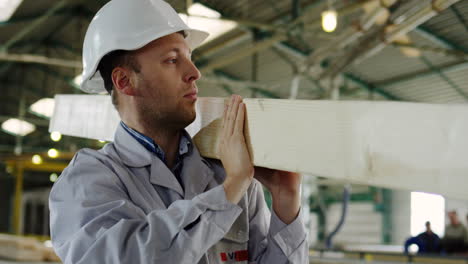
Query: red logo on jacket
[[241, 255]]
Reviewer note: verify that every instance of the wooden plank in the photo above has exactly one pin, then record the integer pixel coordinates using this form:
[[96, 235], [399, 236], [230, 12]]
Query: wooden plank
[[388, 258], [87, 116], [439, 260], [20, 248], [412, 146], [409, 146]]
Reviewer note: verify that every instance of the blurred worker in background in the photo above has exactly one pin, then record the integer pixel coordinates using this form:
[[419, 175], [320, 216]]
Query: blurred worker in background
[[428, 242], [454, 240]]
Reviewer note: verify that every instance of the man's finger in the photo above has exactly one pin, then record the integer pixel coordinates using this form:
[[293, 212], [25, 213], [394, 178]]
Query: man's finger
[[223, 121], [232, 113], [239, 126], [227, 131]]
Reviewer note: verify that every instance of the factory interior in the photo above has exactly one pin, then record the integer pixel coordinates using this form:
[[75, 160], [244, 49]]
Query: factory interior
[[385, 52]]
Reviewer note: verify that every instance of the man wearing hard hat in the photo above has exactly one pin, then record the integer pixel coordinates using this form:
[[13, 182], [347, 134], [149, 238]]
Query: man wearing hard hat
[[149, 197]]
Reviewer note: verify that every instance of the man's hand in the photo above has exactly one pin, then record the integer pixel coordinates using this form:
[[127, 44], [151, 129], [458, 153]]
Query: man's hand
[[233, 151], [285, 191]]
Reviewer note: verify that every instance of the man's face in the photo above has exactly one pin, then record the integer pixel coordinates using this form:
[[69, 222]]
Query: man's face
[[428, 227], [453, 218], [165, 86]]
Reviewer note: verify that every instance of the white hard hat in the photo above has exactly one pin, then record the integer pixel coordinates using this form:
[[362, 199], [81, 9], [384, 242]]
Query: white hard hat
[[129, 25]]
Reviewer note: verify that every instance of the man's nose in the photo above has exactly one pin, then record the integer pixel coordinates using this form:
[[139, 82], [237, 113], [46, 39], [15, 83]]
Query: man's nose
[[193, 73]]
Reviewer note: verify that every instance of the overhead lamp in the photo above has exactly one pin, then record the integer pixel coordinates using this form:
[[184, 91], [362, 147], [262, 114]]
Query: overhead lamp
[[53, 153], [55, 136], [7, 8], [198, 9], [53, 178], [17, 127], [78, 80], [36, 159], [43, 107], [206, 19], [329, 20], [48, 243]]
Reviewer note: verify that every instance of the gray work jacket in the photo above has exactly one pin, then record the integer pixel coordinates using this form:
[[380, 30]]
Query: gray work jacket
[[121, 204]]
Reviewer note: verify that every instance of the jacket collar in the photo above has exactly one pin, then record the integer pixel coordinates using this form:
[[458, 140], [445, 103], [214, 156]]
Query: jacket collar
[[132, 153], [195, 175]]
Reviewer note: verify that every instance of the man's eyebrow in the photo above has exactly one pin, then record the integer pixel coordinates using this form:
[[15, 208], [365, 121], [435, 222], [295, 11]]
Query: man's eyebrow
[[177, 50]]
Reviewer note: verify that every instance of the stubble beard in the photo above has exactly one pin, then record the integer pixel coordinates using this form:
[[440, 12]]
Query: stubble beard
[[158, 115], [173, 119]]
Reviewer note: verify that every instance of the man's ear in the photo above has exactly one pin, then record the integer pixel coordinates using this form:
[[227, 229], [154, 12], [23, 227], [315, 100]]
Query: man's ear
[[121, 78]]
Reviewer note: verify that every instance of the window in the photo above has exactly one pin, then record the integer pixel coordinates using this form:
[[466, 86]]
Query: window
[[427, 207]]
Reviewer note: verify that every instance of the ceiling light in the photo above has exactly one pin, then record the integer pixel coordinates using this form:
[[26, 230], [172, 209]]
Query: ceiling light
[[198, 9], [77, 80], [36, 159], [329, 20], [206, 19], [48, 243], [55, 136], [53, 178], [7, 8], [43, 107], [53, 153], [17, 127]]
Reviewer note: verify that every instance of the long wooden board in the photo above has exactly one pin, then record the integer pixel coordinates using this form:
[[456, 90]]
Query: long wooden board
[[411, 146], [25, 249], [396, 145]]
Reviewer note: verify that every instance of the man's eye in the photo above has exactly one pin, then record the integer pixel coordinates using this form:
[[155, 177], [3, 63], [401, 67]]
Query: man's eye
[[172, 60]]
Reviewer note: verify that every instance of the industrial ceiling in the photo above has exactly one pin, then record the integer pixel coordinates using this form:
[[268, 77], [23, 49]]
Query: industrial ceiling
[[405, 50]]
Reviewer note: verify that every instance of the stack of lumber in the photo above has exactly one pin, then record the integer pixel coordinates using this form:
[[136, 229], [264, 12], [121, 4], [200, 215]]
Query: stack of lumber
[[25, 249]]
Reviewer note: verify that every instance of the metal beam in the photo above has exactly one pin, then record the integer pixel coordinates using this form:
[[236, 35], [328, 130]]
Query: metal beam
[[32, 58], [20, 86], [18, 36], [283, 49], [65, 11], [223, 79], [438, 39], [65, 21], [59, 76], [257, 89], [460, 17], [378, 39], [447, 52], [47, 166], [445, 78], [362, 83], [370, 87], [259, 46], [453, 66], [17, 216], [48, 44], [279, 34]]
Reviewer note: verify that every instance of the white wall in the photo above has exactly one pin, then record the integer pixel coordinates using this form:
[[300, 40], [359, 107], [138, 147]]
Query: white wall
[[401, 216]]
